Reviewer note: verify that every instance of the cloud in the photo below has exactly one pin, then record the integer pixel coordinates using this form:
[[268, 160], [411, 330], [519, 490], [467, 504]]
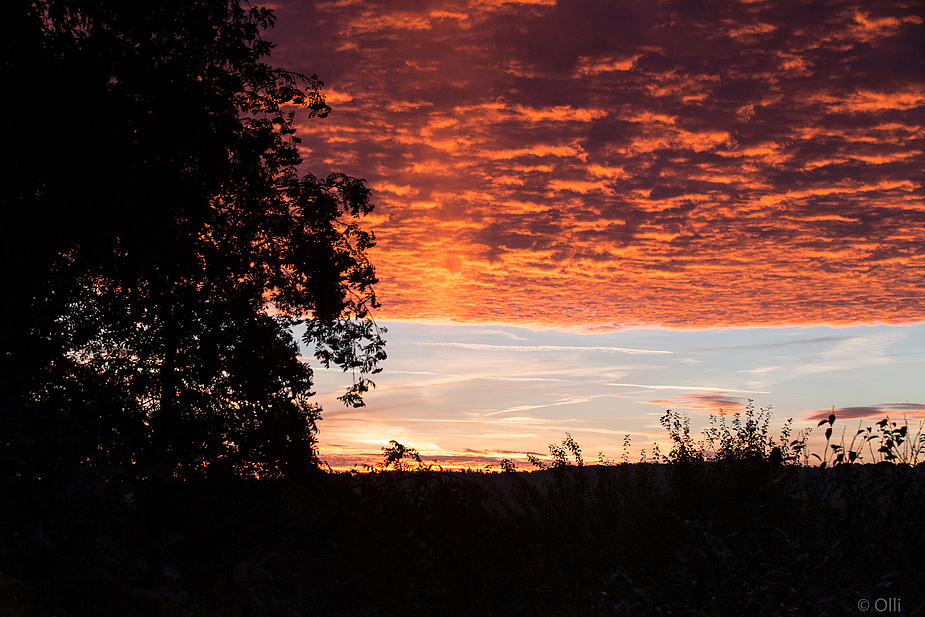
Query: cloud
[[715, 402], [895, 411], [544, 348], [527, 379], [586, 163], [429, 373], [502, 333], [806, 341], [688, 388], [476, 375], [567, 401], [849, 353]]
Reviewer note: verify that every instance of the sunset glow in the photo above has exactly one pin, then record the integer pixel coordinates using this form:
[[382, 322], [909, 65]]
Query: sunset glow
[[575, 168]]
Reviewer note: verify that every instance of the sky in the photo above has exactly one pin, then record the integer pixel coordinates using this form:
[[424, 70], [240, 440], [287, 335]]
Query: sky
[[591, 211]]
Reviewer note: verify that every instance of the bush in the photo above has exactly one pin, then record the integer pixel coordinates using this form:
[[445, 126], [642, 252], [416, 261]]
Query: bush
[[728, 530]]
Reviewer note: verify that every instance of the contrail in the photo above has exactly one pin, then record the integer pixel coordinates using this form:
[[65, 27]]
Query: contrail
[[530, 379], [418, 373], [581, 383], [429, 373], [637, 385], [533, 348]]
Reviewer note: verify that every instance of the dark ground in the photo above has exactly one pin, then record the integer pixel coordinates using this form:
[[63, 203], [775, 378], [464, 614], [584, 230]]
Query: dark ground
[[719, 538]]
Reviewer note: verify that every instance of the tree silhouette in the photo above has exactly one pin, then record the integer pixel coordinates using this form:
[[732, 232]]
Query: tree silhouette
[[158, 244]]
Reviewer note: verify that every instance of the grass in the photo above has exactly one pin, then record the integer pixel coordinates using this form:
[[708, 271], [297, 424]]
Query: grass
[[734, 522]]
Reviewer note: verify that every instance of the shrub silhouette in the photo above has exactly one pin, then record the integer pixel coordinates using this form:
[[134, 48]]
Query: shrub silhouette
[[703, 531]]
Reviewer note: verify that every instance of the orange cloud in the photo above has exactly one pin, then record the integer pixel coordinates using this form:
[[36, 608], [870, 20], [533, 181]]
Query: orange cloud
[[748, 165]]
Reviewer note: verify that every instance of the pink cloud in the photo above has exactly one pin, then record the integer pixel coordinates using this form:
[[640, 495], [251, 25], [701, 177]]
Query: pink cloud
[[712, 402], [895, 411]]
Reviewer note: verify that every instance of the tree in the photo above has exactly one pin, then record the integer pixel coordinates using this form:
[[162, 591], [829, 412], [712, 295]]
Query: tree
[[159, 245]]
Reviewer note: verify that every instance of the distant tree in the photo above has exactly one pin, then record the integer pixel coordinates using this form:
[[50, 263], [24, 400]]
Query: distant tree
[[158, 245], [393, 456]]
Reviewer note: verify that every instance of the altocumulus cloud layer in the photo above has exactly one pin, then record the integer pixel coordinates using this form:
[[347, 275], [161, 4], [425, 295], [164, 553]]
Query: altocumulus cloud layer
[[590, 163]]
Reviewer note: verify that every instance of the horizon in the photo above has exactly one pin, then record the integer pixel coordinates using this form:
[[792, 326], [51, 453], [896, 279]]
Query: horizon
[[470, 395]]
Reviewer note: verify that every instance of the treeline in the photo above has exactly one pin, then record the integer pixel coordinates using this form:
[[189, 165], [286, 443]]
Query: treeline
[[732, 531]]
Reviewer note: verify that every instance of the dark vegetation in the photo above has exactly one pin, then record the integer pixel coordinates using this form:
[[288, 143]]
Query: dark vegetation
[[157, 439], [158, 246], [746, 529]]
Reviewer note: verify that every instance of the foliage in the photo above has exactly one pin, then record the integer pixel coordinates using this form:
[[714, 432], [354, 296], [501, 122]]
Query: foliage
[[159, 246], [896, 444], [393, 456], [566, 539], [683, 448], [744, 437]]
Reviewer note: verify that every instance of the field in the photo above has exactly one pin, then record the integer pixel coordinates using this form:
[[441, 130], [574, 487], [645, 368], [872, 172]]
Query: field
[[747, 526]]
